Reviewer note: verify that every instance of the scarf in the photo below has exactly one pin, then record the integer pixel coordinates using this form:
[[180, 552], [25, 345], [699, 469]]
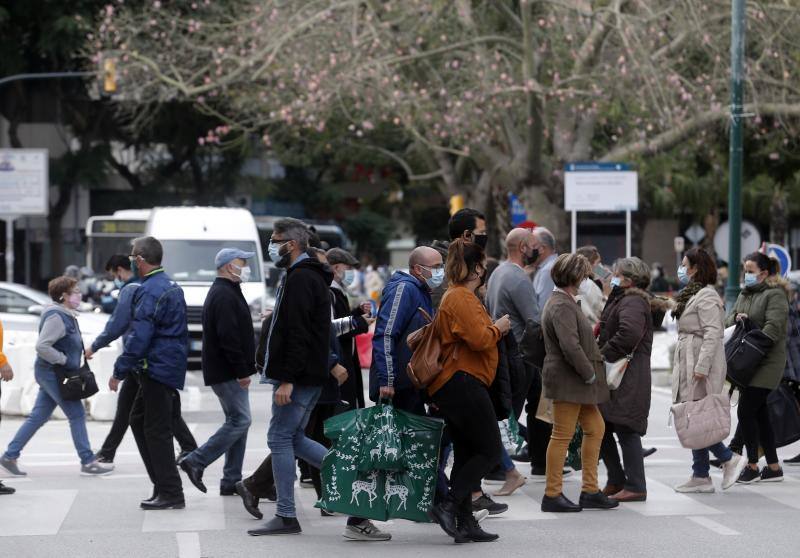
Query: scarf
[[684, 297]]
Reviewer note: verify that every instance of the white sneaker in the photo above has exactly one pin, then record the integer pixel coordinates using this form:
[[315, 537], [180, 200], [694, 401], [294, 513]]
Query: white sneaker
[[480, 515], [365, 532], [696, 485], [731, 470]]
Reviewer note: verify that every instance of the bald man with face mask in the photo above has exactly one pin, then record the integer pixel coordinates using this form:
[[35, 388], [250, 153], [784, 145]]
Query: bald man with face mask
[[402, 298]]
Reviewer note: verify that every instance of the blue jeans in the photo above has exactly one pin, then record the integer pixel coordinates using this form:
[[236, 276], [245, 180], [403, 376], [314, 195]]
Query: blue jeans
[[700, 464], [231, 438], [505, 461], [46, 401], [287, 439]]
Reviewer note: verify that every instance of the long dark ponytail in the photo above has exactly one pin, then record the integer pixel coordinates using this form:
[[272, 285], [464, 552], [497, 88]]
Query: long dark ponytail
[[764, 263]]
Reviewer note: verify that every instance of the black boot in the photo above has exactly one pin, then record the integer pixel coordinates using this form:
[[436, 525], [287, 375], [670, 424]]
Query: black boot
[[153, 497], [6, 489], [469, 529], [445, 515]]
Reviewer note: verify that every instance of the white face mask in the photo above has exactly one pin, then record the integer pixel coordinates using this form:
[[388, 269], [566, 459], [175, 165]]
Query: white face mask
[[244, 273], [349, 277]]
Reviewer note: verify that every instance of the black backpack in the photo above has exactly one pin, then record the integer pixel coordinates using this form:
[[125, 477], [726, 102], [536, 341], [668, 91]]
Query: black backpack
[[745, 351], [532, 344]]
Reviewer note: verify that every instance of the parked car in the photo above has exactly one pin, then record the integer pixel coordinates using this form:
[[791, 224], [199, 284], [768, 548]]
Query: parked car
[[21, 307]]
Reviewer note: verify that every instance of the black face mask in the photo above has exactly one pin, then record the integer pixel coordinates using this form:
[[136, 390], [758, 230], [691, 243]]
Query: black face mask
[[480, 239], [533, 258]]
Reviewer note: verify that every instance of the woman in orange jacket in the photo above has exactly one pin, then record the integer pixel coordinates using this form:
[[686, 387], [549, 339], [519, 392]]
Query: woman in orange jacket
[[461, 392]]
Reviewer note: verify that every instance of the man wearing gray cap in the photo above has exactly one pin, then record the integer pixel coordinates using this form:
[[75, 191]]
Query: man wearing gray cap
[[228, 362]]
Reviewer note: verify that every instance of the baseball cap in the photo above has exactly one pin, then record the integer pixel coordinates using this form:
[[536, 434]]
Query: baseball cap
[[338, 255], [227, 255]]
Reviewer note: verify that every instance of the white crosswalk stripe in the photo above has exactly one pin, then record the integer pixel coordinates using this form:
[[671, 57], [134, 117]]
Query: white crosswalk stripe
[[37, 512]]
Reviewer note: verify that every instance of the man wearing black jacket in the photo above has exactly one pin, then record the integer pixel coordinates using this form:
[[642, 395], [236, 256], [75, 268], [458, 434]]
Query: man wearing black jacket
[[228, 362], [297, 364]]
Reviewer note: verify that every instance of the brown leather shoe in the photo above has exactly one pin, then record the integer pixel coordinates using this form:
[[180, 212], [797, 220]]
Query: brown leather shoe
[[612, 489], [628, 496]]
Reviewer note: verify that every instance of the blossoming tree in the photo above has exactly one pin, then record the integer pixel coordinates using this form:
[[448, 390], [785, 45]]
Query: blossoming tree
[[488, 95]]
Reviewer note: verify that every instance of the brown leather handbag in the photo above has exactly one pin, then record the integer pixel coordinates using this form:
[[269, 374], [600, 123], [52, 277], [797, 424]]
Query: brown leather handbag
[[425, 365]]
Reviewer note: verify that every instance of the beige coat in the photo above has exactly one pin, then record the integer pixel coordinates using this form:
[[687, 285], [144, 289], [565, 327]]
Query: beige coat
[[573, 367], [700, 349]]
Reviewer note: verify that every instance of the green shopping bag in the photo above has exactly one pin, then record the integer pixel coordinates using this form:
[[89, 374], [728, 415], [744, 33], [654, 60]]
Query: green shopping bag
[[382, 445], [574, 450], [510, 436], [375, 493]]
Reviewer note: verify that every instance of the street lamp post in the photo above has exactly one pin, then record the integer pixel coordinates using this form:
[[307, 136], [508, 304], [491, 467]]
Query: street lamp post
[[735, 163]]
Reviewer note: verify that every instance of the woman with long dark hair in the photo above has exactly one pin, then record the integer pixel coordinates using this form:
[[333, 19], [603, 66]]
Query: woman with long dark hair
[[461, 392]]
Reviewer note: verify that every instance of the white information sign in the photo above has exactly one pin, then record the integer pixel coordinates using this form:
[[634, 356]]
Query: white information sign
[[751, 240], [601, 191], [24, 183]]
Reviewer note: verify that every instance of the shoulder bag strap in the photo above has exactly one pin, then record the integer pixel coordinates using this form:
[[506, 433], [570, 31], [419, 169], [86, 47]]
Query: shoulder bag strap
[[635, 347]]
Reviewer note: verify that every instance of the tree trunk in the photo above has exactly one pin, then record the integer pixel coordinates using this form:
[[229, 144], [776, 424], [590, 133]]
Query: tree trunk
[[547, 211]]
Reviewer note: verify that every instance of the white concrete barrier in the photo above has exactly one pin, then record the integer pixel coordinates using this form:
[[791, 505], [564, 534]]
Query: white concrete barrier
[[19, 395]]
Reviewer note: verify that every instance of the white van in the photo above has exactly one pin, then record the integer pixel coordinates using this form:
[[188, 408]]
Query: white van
[[191, 237]]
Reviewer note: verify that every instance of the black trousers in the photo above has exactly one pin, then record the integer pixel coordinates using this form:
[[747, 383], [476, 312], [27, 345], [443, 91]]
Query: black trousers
[[409, 400], [467, 408], [538, 431], [152, 415], [127, 394], [632, 476], [755, 425]]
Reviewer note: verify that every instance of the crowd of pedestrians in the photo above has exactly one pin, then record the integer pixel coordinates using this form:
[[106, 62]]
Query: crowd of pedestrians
[[539, 331]]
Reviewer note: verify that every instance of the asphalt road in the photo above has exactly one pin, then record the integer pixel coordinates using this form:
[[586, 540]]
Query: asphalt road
[[56, 512]]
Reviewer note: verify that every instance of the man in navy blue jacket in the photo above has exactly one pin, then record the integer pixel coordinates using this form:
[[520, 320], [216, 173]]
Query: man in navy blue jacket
[[119, 325], [402, 298], [157, 350]]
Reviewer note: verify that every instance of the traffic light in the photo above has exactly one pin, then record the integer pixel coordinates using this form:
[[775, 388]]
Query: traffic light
[[456, 204], [109, 75]]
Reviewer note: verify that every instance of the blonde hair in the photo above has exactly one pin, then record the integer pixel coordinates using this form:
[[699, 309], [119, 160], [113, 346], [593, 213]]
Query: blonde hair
[[462, 259], [569, 270]]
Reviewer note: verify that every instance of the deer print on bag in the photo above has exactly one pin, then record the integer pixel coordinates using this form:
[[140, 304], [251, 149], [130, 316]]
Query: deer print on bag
[[395, 489], [390, 451], [368, 487], [376, 452]]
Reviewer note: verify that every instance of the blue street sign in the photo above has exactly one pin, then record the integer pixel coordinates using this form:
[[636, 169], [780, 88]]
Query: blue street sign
[[782, 255], [596, 166], [517, 210]]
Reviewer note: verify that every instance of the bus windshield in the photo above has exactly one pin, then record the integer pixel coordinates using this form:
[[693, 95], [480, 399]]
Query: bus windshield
[[193, 260]]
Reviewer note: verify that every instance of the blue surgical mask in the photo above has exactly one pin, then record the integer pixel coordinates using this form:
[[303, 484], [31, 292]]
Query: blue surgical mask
[[750, 279], [683, 276], [275, 251], [436, 278], [119, 283], [349, 277], [616, 282]]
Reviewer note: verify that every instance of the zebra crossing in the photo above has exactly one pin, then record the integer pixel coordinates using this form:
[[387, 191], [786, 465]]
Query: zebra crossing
[[54, 504]]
